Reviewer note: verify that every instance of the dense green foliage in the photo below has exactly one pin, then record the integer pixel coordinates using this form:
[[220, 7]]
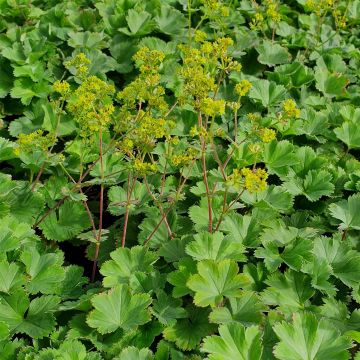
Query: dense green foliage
[[179, 179]]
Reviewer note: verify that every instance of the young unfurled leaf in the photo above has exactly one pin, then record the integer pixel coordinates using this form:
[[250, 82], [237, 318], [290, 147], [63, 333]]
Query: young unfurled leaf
[[216, 280], [126, 262], [234, 342], [307, 338], [214, 246], [118, 308]]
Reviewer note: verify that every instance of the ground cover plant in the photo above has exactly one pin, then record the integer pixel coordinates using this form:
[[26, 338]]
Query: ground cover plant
[[179, 179]]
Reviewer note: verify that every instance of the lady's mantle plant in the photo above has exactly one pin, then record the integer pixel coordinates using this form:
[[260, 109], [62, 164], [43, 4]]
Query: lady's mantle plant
[[180, 180]]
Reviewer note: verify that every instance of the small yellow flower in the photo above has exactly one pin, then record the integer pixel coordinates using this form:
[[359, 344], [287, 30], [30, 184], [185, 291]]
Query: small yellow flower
[[200, 36], [255, 148], [243, 87], [144, 168], [224, 11], [234, 179], [211, 107], [267, 135], [62, 87], [194, 131], [255, 180], [290, 109]]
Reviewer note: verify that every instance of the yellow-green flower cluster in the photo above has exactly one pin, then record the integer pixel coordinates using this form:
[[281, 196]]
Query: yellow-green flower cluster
[[148, 60], [62, 87], [267, 134], [146, 87], [254, 117], [184, 158], [243, 87], [81, 63], [200, 36], [269, 12], [211, 107], [36, 140], [319, 6], [340, 19], [272, 11], [257, 21], [255, 148], [290, 109], [126, 145], [251, 180], [212, 7], [198, 131], [142, 168], [254, 180], [234, 179], [150, 128], [200, 69], [91, 104]]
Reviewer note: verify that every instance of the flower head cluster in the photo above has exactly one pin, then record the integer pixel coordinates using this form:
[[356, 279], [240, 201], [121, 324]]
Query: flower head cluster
[[214, 7], [272, 11], [251, 180], [62, 87], [36, 140], [184, 158], [267, 13], [211, 107], [243, 87], [267, 134], [290, 109], [254, 180], [91, 104], [257, 21], [200, 36], [142, 168], [81, 64], [235, 179], [340, 19], [319, 6], [200, 69], [148, 61], [146, 87]]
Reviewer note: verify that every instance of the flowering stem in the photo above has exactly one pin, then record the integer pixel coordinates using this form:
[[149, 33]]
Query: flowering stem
[[169, 209], [130, 188], [223, 211], [101, 208], [160, 208], [203, 161]]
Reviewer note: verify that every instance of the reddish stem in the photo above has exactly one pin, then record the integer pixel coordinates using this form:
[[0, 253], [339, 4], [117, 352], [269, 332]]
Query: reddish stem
[[101, 209], [203, 161]]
